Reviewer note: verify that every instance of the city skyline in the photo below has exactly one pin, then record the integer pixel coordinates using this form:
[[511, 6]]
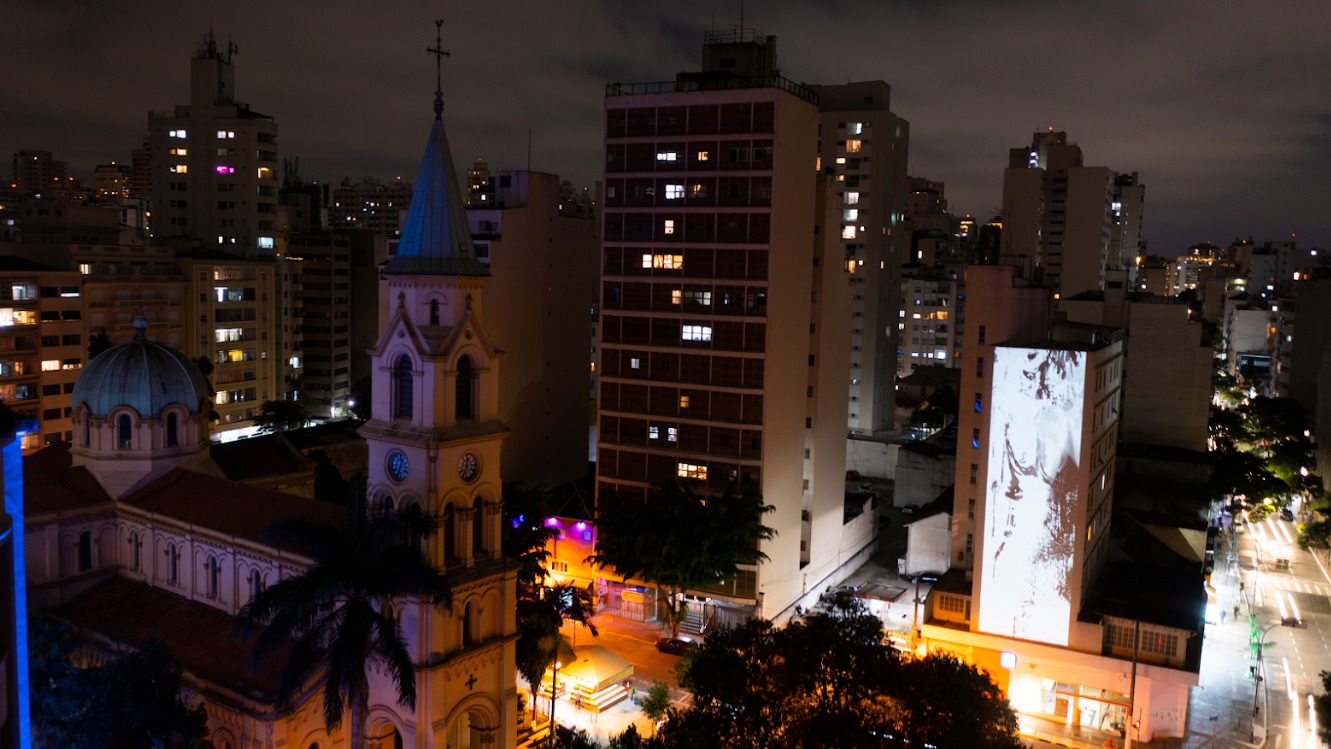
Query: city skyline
[[1214, 107]]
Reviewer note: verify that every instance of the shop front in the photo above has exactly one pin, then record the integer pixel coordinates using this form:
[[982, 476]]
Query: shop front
[[1075, 705]]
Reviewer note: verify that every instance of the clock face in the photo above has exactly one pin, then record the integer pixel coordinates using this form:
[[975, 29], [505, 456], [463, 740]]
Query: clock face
[[468, 467], [398, 465]]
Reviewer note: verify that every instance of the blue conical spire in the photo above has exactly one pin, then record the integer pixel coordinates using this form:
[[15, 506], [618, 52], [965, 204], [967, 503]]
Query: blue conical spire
[[435, 238]]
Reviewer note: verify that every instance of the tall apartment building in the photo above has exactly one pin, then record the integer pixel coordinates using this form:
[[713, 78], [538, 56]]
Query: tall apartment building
[[42, 346], [34, 171], [214, 164], [543, 257], [369, 204], [864, 146], [1057, 215], [321, 302], [930, 321], [726, 321], [1125, 235]]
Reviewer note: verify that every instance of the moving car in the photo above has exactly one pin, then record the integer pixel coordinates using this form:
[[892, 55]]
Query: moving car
[[677, 645]]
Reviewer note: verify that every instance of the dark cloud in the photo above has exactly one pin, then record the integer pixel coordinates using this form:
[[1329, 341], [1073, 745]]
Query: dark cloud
[[1220, 106]]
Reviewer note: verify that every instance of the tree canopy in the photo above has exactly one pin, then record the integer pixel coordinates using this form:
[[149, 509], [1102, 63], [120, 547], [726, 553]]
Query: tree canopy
[[830, 679], [281, 415], [680, 541]]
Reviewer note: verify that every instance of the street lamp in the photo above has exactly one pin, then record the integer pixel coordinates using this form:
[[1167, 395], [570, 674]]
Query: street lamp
[[1257, 676], [554, 685]]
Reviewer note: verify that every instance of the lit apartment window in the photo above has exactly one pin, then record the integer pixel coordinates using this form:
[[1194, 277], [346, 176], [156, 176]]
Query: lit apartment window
[[696, 333], [691, 471], [179, 169], [654, 432], [848, 231], [178, 152], [703, 156], [674, 192], [667, 262], [854, 128], [852, 198], [224, 169], [841, 159], [699, 297], [697, 190], [668, 226], [635, 363], [676, 296], [975, 438], [265, 243], [850, 214], [178, 134], [683, 401], [51, 365], [853, 145], [667, 156], [672, 434], [85, 268], [226, 133], [265, 172]]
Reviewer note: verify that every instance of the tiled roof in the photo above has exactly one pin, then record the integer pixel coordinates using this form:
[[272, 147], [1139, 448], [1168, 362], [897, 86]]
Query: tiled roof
[[201, 638], [52, 485], [258, 457], [225, 506]]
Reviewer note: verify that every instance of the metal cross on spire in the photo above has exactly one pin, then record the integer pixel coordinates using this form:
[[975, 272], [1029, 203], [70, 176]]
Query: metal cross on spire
[[439, 54]]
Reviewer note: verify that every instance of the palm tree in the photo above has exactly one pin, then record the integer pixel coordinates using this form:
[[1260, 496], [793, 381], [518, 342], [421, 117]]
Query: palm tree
[[335, 618]]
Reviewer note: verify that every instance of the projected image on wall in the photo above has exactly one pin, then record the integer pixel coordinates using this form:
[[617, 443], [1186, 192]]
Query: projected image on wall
[[1029, 530]]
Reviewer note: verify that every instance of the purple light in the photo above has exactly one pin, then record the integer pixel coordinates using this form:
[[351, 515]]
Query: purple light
[[553, 522], [226, 170], [580, 525]]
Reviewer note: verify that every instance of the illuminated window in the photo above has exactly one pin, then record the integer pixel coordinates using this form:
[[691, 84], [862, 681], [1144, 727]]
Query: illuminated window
[[265, 243], [697, 190], [703, 156], [676, 295], [178, 152], [265, 172], [667, 156], [698, 297], [224, 169], [668, 226], [979, 403], [853, 145], [654, 432], [674, 192], [226, 133], [852, 198], [975, 438], [696, 333], [841, 159], [51, 365], [672, 434], [850, 214], [85, 268], [683, 401], [178, 134], [667, 262], [854, 128], [635, 363], [691, 471], [848, 231], [179, 168]]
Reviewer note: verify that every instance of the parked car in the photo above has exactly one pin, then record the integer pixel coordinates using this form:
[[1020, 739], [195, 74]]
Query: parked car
[[838, 590], [677, 645], [1287, 514]]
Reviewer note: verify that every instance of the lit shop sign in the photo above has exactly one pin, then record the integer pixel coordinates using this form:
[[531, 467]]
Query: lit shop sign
[[1032, 487]]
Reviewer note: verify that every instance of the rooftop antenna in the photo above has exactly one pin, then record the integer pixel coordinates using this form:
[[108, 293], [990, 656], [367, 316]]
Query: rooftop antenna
[[741, 16], [439, 54]]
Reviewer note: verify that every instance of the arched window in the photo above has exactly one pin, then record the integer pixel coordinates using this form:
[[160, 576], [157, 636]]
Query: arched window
[[134, 547], [256, 583], [85, 551], [214, 577], [124, 432], [434, 311], [477, 528], [172, 431], [402, 378], [87, 430], [448, 526], [172, 565], [465, 389]]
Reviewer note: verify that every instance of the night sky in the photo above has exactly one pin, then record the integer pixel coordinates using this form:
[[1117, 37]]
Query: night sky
[[1222, 107]]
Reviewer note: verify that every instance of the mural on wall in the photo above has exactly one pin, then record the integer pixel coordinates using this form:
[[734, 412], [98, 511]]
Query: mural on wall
[[1035, 423]]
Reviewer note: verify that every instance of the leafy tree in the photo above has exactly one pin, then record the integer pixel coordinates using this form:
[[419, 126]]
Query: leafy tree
[[136, 702], [98, 343], [335, 617], [679, 541], [629, 739], [656, 702], [577, 739], [205, 365], [936, 411], [59, 690], [281, 415], [831, 680], [1322, 705], [526, 538]]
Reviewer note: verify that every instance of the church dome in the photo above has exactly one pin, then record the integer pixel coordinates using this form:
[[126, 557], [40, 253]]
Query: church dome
[[143, 375]]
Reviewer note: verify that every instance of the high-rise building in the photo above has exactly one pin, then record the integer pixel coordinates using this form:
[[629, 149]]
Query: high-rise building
[[543, 255], [720, 250], [1058, 218], [1125, 237], [36, 172], [930, 321], [214, 164], [369, 204], [111, 180], [864, 145]]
